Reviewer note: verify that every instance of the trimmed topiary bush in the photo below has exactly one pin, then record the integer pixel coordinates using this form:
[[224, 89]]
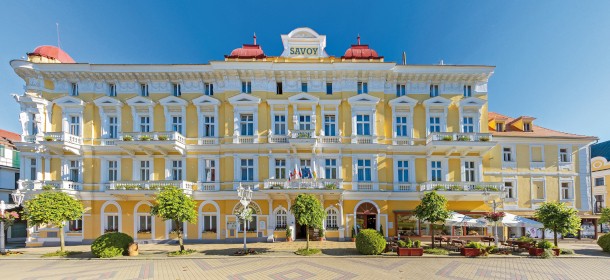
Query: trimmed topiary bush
[[370, 242], [111, 245], [604, 242]]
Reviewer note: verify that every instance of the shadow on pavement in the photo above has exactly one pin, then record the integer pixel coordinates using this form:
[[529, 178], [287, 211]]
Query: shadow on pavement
[[231, 251]]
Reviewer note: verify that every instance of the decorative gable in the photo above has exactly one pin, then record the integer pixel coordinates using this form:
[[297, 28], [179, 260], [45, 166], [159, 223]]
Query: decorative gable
[[363, 100], [244, 99], [437, 101], [140, 101], [303, 98], [403, 101], [172, 101], [69, 101], [472, 102], [205, 100], [107, 101]]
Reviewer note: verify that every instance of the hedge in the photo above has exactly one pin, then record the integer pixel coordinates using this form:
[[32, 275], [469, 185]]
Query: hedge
[[111, 245], [604, 242]]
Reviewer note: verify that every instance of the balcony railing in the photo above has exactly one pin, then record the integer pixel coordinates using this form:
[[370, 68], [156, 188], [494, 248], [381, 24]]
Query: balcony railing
[[320, 183], [329, 139], [404, 187], [278, 138], [58, 185], [245, 139], [207, 141], [302, 134], [108, 141], [403, 141], [32, 138], [208, 186], [62, 137], [365, 186], [462, 186], [364, 139], [458, 136], [149, 185], [153, 136]]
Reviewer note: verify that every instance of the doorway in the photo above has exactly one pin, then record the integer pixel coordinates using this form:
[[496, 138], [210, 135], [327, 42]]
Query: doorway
[[366, 216]]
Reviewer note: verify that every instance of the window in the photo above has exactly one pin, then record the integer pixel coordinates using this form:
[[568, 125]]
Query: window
[[113, 170], [209, 223], [433, 90], [144, 90], [402, 128], [34, 125], [509, 189], [329, 88], [436, 171], [401, 90], [280, 219], [364, 170], [208, 126], [363, 125], [74, 89], [144, 223], [499, 127], [33, 169], [75, 125], [403, 171], [527, 126], [304, 87], [247, 170], [247, 124], [507, 154], [330, 168], [145, 124], [305, 122], [176, 89], [566, 191], [599, 204], [435, 124], [363, 87], [280, 169], [330, 125], [469, 171], [246, 87], [176, 170], [468, 124], [209, 89], [112, 223], [563, 155], [177, 124], [538, 189], [145, 170], [251, 226], [600, 181], [76, 225], [332, 219], [111, 90], [209, 170], [113, 127], [279, 89], [467, 91], [279, 127], [74, 171]]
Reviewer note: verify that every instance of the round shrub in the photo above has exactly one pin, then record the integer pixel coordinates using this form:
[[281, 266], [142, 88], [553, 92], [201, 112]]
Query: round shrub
[[111, 245], [370, 242], [545, 245], [604, 242]]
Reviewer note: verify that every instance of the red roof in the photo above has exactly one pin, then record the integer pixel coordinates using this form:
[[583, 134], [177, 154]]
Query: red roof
[[8, 138], [536, 131], [360, 52], [54, 53], [247, 51]]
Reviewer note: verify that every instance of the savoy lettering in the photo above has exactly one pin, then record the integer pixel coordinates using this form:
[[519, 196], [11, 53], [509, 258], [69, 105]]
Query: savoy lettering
[[303, 51]]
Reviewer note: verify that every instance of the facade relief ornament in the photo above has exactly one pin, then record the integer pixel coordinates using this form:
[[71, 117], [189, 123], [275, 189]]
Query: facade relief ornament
[[292, 85], [316, 86], [452, 88], [61, 86], [127, 87], [159, 87], [480, 87], [192, 86], [418, 88]]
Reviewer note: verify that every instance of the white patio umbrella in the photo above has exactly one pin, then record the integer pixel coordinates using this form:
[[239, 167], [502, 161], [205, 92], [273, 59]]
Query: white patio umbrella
[[512, 220], [457, 219]]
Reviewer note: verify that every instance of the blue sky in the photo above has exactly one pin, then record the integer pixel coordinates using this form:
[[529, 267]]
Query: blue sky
[[552, 57]]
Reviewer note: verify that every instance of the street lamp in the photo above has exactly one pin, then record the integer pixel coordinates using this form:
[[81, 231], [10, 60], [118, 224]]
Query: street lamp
[[494, 205], [18, 199], [245, 197]]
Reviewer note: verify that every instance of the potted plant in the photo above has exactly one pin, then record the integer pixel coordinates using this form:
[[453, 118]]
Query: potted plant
[[447, 138], [321, 234], [463, 138], [539, 249], [472, 249], [48, 138], [330, 186], [288, 234], [163, 137], [145, 138], [354, 234], [484, 139], [127, 138], [409, 248]]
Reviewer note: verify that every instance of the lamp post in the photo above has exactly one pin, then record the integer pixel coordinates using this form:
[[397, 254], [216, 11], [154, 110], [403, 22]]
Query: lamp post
[[245, 197], [18, 199], [494, 205]]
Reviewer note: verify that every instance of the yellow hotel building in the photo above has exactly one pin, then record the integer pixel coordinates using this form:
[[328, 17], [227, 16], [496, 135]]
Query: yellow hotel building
[[368, 138]]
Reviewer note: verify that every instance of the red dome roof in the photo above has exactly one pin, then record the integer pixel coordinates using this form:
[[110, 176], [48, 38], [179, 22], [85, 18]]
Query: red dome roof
[[360, 52], [54, 53], [247, 51]]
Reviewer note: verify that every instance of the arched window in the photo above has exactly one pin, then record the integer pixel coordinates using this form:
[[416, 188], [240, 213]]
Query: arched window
[[331, 219], [280, 219]]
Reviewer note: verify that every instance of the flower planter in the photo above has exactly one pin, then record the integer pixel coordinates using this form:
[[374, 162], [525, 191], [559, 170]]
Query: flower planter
[[537, 252], [410, 251], [470, 252]]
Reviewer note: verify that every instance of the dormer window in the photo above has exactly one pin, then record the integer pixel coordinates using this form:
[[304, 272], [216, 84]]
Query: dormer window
[[433, 90], [401, 90], [74, 89], [527, 126], [499, 127], [112, 90], [363, 87], [467, 91], [304, 87], [144, 90], [177, 91], [246, 87], [279, 89], [209, 89]]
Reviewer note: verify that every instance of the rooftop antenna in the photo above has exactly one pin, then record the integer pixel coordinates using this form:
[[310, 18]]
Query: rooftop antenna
[[358, 38], [57, 28], [404, 58], [254, 38], [442, 62]]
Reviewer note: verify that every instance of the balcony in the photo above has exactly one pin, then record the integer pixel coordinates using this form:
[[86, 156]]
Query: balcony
[[457, 142], [461, 190], [364, 139], [207, 141], [134, 187], [277, 139], [329, 139], [302, 136], [37, 185], [405, 187], [245, 139], [300, 184], [61, 142], [403, 141], [152, 142], [208, 186], [365, 186]]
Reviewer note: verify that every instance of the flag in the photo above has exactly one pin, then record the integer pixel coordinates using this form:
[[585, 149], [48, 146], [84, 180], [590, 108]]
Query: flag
[[297, 173], [315, 176]]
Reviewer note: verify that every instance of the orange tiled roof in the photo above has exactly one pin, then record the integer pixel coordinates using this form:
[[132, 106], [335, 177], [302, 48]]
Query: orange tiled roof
[[7, 138], [537, 131]]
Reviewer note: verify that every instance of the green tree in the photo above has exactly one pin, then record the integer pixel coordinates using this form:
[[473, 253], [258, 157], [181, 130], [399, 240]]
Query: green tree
[[308, 212], [173, 204], [559, 218], [432, 209], [53, 208], [605, 218]]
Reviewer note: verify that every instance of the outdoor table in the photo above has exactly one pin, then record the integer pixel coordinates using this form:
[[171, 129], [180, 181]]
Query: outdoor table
[[458, 242], [488, 239], [440, 240]]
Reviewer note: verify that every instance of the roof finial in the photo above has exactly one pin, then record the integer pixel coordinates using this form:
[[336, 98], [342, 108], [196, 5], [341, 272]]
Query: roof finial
[[358, 38], [254, 38]]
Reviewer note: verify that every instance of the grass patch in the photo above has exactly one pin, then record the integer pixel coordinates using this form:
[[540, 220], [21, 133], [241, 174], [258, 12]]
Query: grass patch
[[181, 253], [305, 252], [567, 252], [61, 254], [436, 251]]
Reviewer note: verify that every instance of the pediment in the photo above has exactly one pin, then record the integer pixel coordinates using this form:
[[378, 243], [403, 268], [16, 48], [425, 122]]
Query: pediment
[[244, 99], [205, 100], [363, 99], [140, 101], [107, 101], [403, 101], [472, 102], [172, 101], [437, 101], [303, 98], [69, 101]]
